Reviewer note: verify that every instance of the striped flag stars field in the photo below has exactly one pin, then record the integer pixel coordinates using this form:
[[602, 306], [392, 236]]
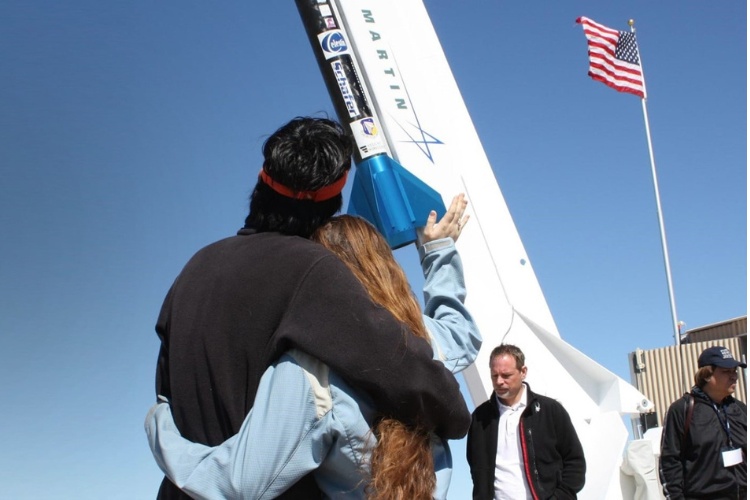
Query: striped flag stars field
[[613, 57]]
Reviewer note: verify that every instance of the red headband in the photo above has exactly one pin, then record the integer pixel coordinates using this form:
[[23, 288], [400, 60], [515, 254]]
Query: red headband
[[322, 194]]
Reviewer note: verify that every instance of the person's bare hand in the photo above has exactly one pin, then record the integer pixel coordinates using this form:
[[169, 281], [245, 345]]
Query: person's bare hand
[[450, 225]]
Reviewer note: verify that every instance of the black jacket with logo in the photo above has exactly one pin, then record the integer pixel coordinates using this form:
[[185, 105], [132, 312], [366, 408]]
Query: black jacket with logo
[[554, 465], [697, 471]]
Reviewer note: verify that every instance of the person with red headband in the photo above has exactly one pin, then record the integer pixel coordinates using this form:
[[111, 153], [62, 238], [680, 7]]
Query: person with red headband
[[241, 302], [329, 429]]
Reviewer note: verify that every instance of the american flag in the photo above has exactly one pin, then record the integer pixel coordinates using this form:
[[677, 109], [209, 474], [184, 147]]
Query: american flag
[[613, 58]]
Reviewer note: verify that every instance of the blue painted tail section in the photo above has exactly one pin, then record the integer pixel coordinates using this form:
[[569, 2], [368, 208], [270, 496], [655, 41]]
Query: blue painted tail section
[[392, 199]]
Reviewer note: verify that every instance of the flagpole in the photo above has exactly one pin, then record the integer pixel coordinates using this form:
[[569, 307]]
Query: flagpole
[[675, 323]]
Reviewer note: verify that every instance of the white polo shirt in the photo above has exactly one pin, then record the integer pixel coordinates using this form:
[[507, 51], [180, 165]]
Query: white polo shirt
[[510, 481]]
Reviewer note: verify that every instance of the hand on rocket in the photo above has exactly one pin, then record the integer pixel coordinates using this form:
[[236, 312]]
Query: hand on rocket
[[450, 225]]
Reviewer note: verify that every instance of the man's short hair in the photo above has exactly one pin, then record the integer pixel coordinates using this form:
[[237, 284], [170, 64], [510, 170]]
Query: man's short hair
[[509, 350]]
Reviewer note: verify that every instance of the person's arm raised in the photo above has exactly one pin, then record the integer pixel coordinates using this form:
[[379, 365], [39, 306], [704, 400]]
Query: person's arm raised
[[450, 225], [456, 338]]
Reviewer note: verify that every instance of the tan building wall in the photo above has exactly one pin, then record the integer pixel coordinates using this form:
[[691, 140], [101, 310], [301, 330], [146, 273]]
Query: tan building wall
[[663, 375], [724, 330]]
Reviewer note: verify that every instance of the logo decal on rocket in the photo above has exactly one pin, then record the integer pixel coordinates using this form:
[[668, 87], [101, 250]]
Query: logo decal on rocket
[[368, 126], [401, 102], [333, 43], [346, 91], [422, 139]]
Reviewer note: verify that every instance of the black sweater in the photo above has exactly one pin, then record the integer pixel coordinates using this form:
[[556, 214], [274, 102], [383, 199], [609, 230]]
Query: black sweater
[[242, 301]]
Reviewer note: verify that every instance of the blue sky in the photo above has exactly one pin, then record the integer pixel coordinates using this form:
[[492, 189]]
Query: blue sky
[[130, 137]]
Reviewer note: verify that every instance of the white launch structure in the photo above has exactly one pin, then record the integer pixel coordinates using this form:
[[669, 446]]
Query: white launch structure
[[429, 131]]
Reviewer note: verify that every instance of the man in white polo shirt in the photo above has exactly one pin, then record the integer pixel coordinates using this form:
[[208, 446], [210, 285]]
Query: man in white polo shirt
[[521, 444]]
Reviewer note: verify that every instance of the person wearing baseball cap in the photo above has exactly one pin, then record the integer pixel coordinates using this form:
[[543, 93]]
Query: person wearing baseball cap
[[704, 440], [719, 356]]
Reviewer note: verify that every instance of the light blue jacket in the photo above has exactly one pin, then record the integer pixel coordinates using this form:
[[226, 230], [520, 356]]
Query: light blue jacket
[[307, 419]]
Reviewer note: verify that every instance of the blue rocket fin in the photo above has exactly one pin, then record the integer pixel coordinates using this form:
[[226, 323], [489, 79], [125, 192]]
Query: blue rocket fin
[[392, 199]]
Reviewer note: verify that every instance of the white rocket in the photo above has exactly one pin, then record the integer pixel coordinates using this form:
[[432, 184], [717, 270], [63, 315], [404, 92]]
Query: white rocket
[[387, 73]]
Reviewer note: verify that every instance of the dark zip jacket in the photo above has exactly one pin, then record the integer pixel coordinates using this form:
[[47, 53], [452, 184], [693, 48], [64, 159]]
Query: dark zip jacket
[[242, 301], [554, 465], [696, 470]]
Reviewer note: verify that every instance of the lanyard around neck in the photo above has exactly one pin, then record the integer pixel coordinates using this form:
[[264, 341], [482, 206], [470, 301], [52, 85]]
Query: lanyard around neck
[[725, 422]]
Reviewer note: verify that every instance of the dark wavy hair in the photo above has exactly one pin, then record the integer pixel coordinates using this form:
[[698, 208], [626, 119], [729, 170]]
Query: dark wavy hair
[[306, 154]]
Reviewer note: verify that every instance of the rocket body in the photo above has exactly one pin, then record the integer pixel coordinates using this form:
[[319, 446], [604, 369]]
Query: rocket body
[[384, 192], [390, 81]]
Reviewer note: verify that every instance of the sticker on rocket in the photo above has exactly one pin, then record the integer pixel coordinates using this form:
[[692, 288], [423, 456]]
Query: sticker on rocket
[[325, 10], [370, 141], [350, 101], [333, 43]]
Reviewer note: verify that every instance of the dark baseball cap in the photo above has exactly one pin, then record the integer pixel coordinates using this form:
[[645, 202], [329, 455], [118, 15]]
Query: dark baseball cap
[[719, 356]]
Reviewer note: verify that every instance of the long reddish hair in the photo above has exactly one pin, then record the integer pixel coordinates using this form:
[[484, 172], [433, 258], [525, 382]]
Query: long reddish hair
[[401, 463]]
